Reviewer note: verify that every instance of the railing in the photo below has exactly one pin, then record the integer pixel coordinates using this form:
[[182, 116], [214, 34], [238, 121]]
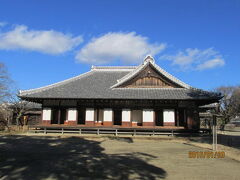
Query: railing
[[113, 131]]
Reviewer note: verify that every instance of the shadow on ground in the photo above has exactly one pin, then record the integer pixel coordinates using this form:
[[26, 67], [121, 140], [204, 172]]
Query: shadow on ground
[[23, 157]]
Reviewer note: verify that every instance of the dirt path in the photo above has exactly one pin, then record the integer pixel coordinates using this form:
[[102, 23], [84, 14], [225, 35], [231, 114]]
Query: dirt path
[[39, 157]]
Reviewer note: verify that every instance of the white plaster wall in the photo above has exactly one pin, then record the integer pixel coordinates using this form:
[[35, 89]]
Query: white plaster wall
[[72, 115], [89, 114], [136, 116], [168, 115], [126, 115], [148, 115], [108, 115], [47, 114]]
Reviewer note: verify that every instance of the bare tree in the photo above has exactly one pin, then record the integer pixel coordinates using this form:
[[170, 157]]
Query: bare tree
[[230, 103], [5, 94], [5, 116], [4, 84], [10, 105], [235, 102], [19, 108]]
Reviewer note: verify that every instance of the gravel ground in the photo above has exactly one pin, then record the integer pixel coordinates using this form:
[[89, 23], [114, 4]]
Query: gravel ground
[[66, 157]]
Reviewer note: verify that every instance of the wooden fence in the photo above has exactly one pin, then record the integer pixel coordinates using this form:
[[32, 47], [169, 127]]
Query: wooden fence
[[113, 131]]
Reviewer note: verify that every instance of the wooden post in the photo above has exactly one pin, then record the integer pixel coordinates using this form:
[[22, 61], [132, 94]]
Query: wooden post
[[59, 116], [59, 112], [214, 132], [185, 118], [177, 113], [134, 132]]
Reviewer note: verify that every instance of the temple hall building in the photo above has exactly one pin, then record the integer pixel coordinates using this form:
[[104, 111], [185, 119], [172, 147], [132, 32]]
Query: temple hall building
[[121, 96]]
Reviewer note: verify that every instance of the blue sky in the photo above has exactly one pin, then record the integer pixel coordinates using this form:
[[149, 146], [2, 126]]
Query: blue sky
[[42, 42]]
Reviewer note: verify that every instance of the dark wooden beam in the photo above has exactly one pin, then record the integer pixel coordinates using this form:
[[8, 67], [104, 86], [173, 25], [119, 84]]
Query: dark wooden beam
[[59, 116], [177, 117], [59, 112]]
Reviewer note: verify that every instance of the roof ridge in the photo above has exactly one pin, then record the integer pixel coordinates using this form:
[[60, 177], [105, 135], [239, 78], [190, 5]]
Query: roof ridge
[[149, 88], [34, 90], [147, 61], [113, 67]]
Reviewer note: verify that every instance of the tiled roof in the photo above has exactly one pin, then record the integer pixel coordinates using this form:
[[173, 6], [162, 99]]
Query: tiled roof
[[97, 83]]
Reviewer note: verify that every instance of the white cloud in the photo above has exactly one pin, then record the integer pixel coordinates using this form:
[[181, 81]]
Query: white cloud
[[196, 59], [2, 24], [128, 47], [211, 64], [48, 41]]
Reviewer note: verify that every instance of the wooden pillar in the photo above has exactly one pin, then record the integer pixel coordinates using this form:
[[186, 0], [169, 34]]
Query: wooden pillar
[[185, 118], [59, 112], [196, 124], [192, 119], [177, 117], [98, 117], [59, 116], [189, 119]]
